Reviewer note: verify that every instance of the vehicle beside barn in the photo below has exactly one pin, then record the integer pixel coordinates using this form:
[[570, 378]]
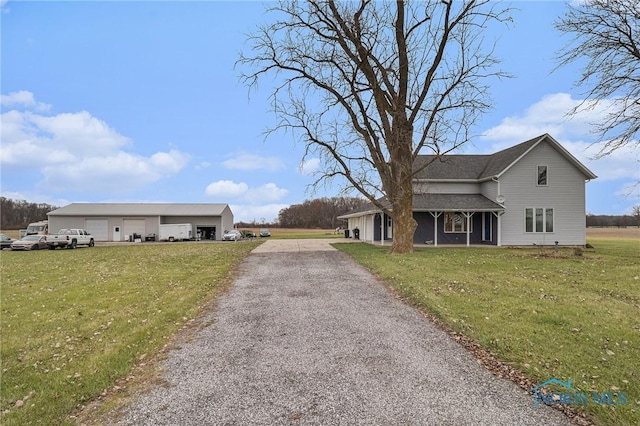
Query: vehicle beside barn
[[115, 221], [176, 232], [70, 238], [40, 227]]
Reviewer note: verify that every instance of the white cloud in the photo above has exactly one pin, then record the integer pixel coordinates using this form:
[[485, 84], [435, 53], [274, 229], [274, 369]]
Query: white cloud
[[169, 163], [310, 166], [23, 98], [268, 192], [119, 172], [203, 165], [256, 213], [246, 161], [225, 189], [549, 115], [76, 151]]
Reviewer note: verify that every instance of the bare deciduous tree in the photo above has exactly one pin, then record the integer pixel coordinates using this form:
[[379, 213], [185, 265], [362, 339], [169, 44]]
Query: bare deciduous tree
[[606, 34], [368, 85], [635, 212]]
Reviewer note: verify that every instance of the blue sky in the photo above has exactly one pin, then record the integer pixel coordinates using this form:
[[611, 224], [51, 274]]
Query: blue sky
[[141, 102]]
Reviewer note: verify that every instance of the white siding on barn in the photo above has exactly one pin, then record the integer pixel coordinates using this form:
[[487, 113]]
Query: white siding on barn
[[134, 226], [226, 222], [58, 223], [565, 194], [99, 228]]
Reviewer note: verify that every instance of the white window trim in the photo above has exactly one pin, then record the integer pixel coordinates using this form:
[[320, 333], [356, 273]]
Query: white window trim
[[464, 224], [544, 220], [538, 175]]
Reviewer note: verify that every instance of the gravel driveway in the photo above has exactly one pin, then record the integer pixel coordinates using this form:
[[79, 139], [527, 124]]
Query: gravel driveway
[[306, 336]]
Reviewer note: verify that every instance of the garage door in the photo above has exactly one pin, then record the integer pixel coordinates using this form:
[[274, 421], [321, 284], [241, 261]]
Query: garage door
[[98, 228], [134, 226]]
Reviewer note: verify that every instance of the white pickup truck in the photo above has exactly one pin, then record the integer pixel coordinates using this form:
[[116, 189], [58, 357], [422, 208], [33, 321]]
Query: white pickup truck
[[70, 238]]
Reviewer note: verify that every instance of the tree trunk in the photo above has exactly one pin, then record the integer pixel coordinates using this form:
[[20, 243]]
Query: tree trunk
[[404, 225]]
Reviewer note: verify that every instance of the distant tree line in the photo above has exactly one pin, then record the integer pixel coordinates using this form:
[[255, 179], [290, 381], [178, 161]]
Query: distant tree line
[[18, 214], [321, 213], [614, 221]]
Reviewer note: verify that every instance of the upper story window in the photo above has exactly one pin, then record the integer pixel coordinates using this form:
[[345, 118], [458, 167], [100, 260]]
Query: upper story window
[[542, 176]]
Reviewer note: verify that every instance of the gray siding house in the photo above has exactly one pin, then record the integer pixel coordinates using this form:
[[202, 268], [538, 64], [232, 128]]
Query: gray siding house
[[117, 221], [531, 193]]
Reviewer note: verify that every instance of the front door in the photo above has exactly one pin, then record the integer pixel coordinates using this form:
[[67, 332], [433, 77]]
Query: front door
[[116, 233], [486, 226], [389, 228]]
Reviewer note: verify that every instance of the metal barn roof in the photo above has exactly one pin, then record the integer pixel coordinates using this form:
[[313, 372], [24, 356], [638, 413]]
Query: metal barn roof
[[139, 209]]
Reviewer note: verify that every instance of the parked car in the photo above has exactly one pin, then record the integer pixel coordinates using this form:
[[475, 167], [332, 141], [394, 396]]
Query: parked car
[[30, 242], [265, 232], [248, 234], [233, 235], [5, 241]]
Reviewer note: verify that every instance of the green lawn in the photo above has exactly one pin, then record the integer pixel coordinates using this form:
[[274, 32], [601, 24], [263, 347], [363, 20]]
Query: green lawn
[[289, 233], [565, 317], [74, 322]]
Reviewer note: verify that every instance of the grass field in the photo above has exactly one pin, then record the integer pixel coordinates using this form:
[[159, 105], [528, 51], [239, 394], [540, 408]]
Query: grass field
[[565, 317], [75, 322], [275, 233], [614, 233], [300, 233]]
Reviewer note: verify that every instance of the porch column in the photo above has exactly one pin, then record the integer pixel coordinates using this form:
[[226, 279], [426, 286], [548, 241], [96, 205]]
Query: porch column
[[435, 215], [467, 216], [499, 217]]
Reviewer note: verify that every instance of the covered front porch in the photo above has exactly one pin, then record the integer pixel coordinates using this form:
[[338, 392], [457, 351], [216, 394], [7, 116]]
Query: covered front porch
[[458, 219], [458, 227]]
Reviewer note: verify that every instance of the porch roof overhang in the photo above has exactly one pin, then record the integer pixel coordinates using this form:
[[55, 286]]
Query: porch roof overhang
[[367, 212], [437, 203], [455, 202]]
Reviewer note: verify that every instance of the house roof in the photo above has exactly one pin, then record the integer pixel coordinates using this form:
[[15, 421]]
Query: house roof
[[483, 167], [139, 209], [454, 202], [436, 202]]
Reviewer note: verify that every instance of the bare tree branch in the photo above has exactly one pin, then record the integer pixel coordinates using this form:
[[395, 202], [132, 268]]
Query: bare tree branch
[[369, 84], [606, 34]]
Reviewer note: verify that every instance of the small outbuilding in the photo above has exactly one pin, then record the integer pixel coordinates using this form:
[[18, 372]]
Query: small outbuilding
[[121, 221]]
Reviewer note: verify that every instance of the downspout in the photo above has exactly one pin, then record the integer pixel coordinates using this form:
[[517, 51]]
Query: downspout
[[496, 180], [499, 216]]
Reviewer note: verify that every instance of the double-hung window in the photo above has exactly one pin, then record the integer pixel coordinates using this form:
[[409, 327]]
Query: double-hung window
[[538, 219], [542, 176]]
